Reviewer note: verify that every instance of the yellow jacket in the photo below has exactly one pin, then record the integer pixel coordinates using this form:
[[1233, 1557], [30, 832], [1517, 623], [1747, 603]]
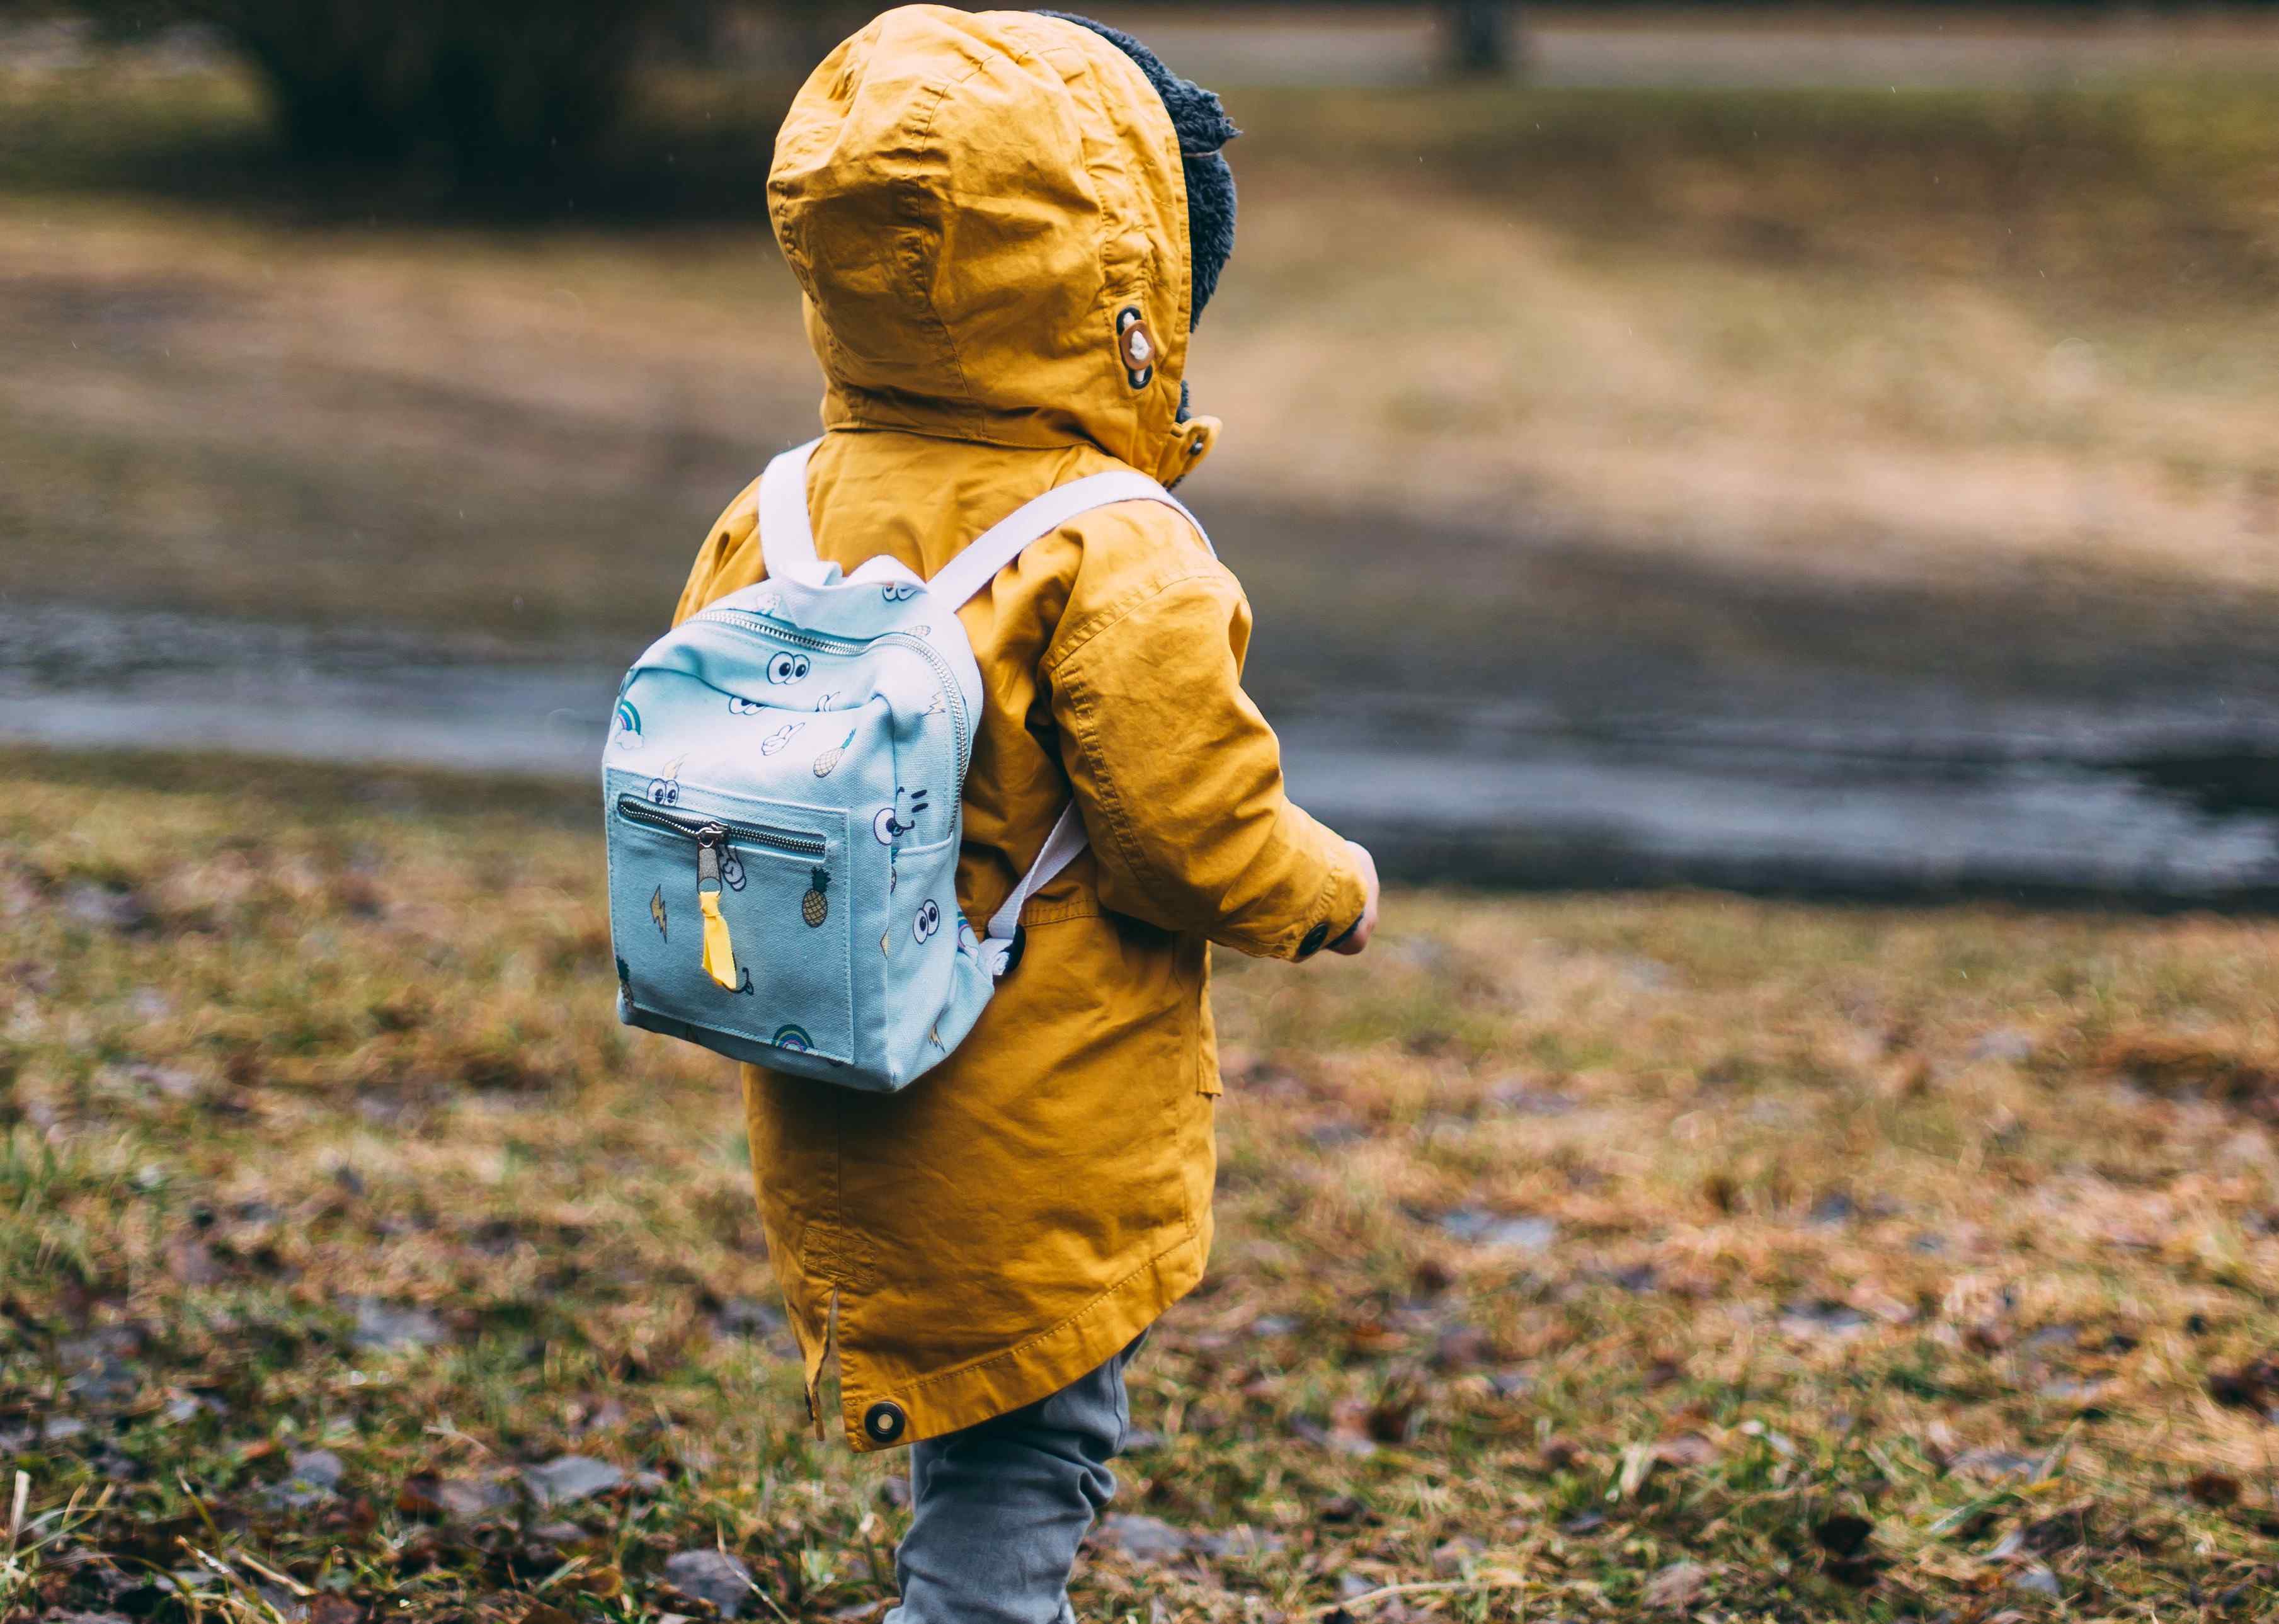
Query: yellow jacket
[[970, 202]]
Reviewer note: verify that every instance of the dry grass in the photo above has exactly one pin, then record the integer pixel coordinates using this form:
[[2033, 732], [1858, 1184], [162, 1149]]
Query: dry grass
[[1578, 1257], [2014, 342]]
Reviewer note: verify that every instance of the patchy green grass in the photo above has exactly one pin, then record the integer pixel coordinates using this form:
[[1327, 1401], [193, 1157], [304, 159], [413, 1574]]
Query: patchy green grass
[[1578, 1257]]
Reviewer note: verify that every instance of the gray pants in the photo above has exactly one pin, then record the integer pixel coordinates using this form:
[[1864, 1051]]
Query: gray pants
[[998, 1510]]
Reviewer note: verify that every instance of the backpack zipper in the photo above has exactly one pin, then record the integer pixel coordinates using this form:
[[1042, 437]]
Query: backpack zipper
[[635, 809], [823, 643]]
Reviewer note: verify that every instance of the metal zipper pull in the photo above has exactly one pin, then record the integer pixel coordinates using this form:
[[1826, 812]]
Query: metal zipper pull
[[719, 952]]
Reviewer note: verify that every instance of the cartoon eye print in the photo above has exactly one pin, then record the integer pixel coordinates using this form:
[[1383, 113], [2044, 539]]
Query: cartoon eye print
[[665, 792], [928, 920], [781, 737], [898, 592], [739, 706], [788, 668], [889, 826]]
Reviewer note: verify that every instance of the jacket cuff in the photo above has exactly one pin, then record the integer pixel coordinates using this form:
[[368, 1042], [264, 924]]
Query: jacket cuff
[[1335, 912]]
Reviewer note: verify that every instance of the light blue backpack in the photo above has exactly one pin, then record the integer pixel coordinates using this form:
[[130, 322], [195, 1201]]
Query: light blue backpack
[[781, 791]]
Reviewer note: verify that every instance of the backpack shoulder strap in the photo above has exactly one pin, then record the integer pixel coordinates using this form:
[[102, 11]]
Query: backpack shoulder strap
[[976, 566], [786, 538]]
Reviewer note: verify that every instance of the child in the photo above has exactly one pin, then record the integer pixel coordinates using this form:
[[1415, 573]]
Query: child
[[1004, 223]]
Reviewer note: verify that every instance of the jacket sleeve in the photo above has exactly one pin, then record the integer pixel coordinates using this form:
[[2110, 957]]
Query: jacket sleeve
[[1179, 778]]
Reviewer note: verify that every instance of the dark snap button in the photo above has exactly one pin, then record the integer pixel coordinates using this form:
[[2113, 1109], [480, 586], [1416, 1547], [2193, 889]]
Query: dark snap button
[[1315, 937], [884, 1421]]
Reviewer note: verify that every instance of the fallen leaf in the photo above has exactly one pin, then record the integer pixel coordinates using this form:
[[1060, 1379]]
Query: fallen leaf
[[1687, 1449], [1678, 1585]]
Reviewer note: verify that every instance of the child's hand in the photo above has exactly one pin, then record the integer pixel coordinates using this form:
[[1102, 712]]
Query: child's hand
[[1354, 940]]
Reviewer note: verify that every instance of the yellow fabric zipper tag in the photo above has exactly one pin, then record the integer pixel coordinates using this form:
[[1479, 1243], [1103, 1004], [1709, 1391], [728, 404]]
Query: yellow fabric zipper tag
[[719, 952]]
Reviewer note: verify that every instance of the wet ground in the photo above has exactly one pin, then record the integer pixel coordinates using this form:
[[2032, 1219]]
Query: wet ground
[[1887, 789]]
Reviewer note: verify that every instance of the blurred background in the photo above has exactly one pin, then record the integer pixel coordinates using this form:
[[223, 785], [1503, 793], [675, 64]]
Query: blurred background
[[1790, 448]]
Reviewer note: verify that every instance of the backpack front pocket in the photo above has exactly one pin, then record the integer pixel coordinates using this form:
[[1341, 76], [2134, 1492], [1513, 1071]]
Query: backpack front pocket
[[732, 915]]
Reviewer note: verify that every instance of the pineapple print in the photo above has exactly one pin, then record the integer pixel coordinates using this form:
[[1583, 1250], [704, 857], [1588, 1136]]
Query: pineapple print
[[815, 905], [829, 759]]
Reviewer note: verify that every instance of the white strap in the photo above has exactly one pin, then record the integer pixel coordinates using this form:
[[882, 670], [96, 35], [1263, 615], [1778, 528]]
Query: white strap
[[1061, 848], [977, 565], [787, 539]]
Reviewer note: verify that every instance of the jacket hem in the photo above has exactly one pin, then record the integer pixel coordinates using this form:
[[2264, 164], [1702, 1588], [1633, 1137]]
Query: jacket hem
[[952, 1400]]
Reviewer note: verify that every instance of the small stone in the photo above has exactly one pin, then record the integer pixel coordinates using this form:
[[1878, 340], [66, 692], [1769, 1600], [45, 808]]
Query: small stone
[[1481, 1229], [105, 907], [314, 1477], [1142, 1538], [1823, 1317], [320, 1466], [570, 1478], [388, 1326]]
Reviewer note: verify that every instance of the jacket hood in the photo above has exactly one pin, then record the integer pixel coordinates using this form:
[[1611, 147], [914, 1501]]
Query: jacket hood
[[988, 218]]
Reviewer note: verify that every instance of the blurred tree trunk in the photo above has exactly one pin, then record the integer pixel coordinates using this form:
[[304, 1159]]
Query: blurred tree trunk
[[1480, 34], [501, 91]]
